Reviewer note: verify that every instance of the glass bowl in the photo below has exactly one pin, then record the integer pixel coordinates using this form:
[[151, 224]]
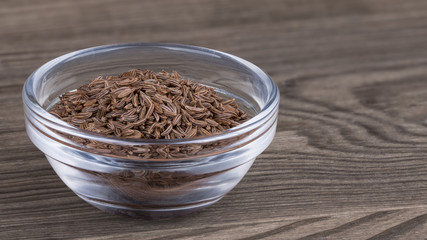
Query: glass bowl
[[105, 172]]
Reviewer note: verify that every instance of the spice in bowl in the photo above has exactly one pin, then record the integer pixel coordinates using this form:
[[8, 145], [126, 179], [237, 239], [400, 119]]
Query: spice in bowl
[[148, 105], [145, 104]]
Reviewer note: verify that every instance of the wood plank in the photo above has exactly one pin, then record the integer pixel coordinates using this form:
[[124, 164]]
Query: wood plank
[[349, 157]]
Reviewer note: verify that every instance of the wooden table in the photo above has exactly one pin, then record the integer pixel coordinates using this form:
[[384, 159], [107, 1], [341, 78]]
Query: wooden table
[[349, 160]]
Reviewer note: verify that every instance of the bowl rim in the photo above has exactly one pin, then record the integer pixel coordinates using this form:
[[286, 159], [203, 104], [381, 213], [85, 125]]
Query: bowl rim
[[30, 100]]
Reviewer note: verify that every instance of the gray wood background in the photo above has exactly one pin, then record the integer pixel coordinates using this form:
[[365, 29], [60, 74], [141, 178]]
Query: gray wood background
[[349, 160]]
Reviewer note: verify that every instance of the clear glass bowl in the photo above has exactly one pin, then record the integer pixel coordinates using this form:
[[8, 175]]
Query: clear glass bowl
[[156, 187]]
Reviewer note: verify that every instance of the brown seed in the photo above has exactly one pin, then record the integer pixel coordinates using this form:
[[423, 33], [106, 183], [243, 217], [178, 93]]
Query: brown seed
[[77, 121], [166, 110], [176, 119], [123, 92], [130, 118], [229, 101], [111, 126], [120, 104], [142, 113], [140, 149], [156, 116], [102, 93], [192, 133], [91, 109], [175, 91], [188, 129], [150, 111], [128, 106], [118, 132], [82, 115], [178, 134], [90, 93], [90, 102], [141, 99], [139, 122], [167, 130], [130, 112], [156, 133], [133, 134], [194, 109], [157, 108], [96, 81], [203, 131], [198, 122], [163, 98], [135, 100], [211, 122]]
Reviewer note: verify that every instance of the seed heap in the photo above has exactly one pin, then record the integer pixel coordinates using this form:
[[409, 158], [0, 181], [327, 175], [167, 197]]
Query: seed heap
[[145, 104]]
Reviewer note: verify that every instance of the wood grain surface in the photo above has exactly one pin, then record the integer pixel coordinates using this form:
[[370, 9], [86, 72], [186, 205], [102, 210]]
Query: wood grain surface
[[349, 160]]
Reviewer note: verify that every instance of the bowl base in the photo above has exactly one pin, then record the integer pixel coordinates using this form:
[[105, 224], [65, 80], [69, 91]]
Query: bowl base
[[148, 213]]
